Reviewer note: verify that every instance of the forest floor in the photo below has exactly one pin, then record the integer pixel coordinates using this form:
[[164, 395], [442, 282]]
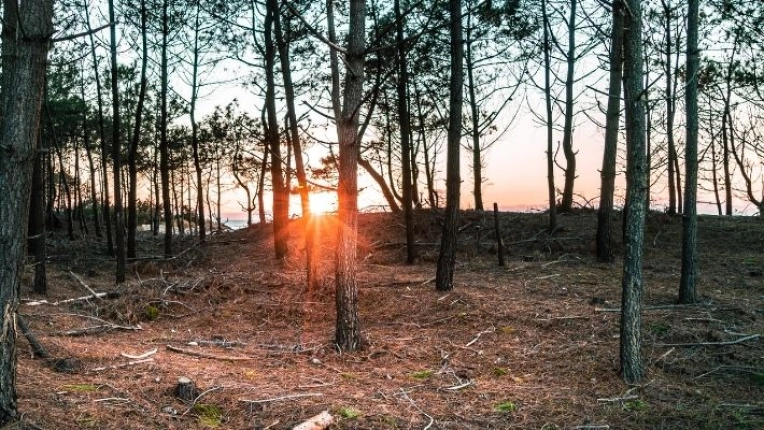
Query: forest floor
[[533, 344]]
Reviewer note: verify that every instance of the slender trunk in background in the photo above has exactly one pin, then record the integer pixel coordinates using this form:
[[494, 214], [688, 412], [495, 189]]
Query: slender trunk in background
[[429, 167], [477, 160], [405, 133], [688, 280], [119, 220], [649, 138], [567, 139], [201, 222], [79, 204], [164, 146], [26, 38], [280, 198], [102, 133], [632, 369], [132, 156], [549, 119], [444, 277], [670, 113], [714, 174], [312, 269], [91, 165], [612, 122], [36, 236], [347, 329], [62, 177]]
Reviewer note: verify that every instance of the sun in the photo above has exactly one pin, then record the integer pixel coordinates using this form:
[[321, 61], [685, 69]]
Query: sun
[[323, 203]]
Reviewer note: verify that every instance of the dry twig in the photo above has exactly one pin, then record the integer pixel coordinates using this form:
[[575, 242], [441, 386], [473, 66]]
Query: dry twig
[[206, 355]]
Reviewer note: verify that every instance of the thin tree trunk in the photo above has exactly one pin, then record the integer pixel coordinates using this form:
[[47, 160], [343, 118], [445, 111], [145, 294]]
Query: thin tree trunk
[[280, 199], [632, 369], [36, 241], [567, 139], [612, 122], [164, 150], [405, 133], [119, 224], [477, 161], [688, 280], [670, 112], [132, 157], [91, 165], [102, 133], [444, 277], [202, 223], [549, 119]]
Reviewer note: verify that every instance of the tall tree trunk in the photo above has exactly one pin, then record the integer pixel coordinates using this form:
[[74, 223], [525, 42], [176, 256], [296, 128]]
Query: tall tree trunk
[[280, 197], [102, 133], [670, 113], [477, 159], [201, 222], [632, 369], [444, 277], [687, 282], [567, 138], [714, 173], [132, 156], [312, 268], [36, 241], [164, 146], [91, 165], [612, 122], [119, 220], [62, 177], [405, 132], [26, 37], [348, 330], [549, 120]]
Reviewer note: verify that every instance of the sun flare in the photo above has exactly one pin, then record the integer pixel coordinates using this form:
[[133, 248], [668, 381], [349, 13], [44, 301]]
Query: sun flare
[[323, 203]]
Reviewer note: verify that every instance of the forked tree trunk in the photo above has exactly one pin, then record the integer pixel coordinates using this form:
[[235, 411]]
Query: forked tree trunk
[[25, 43], [132, 157], [444, 277], [632, 369], [612, 122]]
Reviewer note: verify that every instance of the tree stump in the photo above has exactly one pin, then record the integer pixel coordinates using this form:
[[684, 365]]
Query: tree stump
[[186, 389]]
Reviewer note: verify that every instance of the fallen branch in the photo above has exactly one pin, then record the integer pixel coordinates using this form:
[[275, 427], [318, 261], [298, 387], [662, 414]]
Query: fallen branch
[[140, 356], [459, 387], [206, 355], [96, 329], [731, 342], [282, 398], [108, 295], [84, 285], [653, 308], [618, 399], [318, 422], [121, 365], [490, 330], [432, 420]]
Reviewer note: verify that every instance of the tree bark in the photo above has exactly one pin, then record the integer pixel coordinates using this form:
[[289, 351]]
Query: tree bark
[[632, 369], [612, 122], [444, 277], [688, 279], [348, 330], [26, 37]]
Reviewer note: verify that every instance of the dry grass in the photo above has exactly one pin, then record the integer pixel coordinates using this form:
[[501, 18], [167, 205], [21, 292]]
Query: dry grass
[[521, 346]]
